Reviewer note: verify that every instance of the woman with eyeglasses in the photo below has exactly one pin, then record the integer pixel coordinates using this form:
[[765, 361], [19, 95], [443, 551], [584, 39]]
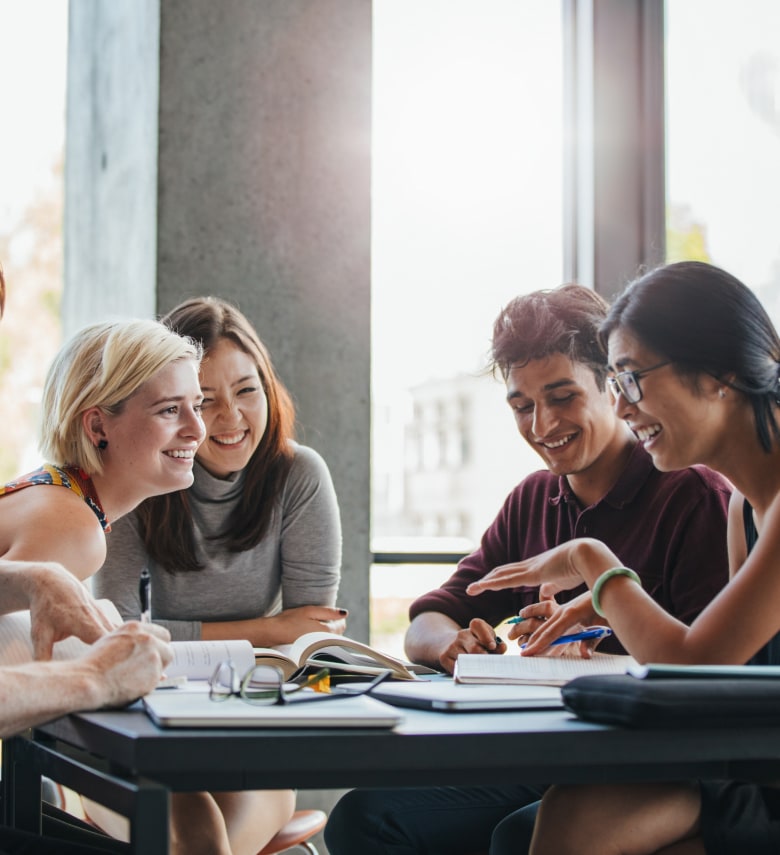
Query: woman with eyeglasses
[[252, 549], [695, 364]]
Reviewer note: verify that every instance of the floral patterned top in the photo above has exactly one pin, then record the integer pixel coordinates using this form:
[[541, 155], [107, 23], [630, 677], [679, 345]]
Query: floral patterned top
[[70, 477]]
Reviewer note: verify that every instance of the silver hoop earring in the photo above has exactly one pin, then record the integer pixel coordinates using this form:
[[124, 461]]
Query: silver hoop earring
[[722, 393]]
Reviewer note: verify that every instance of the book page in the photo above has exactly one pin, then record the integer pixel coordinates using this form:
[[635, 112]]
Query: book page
[[345, 650], [198, 659], [278, 658], [551, 670]]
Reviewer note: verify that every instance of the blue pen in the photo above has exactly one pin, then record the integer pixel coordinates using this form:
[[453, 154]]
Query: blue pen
[[595, 632], [585, 635]]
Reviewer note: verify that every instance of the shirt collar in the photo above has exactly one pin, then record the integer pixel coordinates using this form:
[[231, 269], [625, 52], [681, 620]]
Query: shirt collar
[[631, 480]]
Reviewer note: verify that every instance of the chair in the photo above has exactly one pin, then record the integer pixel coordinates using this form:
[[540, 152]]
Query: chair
[[303, 825]]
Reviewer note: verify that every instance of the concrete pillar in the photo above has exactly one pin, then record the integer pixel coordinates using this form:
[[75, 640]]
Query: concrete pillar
[[111, 160]]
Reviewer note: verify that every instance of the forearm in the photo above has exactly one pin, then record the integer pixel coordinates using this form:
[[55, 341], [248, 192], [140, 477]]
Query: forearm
[[255, 630], [645, 629], [42, 691], [428, 636], [281, 628], [18, 580]]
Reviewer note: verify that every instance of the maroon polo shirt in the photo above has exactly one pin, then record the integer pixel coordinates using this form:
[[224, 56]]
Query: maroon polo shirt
[[668, 526]]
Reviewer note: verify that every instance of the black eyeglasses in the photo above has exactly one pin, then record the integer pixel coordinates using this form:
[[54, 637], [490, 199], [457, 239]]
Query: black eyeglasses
[[264, 685], [626, 383]]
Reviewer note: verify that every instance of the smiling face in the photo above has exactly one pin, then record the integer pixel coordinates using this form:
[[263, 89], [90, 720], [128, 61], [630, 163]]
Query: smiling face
[[157, 432], [565, 417], [235, 409], [678, 422]]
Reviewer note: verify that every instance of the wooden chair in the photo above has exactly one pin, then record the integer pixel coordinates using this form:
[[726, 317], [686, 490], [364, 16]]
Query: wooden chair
[[303, 825]]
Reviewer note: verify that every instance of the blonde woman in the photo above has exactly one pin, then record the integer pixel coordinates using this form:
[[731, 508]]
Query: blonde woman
[[118, 667], [122, 422]]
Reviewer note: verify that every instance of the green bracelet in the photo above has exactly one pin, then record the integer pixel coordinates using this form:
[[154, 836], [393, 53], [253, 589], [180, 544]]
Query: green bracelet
[[605, 577]]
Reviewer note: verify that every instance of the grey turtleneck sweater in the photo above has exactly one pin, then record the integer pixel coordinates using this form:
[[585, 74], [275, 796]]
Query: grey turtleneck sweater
[[297, 563]]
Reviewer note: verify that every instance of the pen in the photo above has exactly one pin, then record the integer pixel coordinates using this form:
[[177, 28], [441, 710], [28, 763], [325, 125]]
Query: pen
[[517, 619], [593, 632], [145, 595]]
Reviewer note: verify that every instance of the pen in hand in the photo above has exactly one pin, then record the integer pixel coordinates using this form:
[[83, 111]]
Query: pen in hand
[[145, 595], [520, 619]]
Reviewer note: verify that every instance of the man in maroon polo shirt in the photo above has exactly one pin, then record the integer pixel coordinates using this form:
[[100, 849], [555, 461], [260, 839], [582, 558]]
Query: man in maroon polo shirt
[[598, 482]]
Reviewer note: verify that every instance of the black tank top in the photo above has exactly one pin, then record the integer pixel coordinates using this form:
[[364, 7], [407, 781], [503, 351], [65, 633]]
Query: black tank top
[[769, 654]]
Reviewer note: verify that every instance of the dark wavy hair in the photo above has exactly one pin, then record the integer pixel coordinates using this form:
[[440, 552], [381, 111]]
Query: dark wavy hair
[[559, 320], [165, 522], [705, 321]]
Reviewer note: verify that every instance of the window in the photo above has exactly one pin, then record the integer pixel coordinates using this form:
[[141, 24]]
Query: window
[[32, 95], [723, 139], [467, 190]]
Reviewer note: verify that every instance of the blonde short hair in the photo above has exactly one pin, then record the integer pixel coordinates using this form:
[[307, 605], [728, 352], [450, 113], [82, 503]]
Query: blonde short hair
[[102, 366]]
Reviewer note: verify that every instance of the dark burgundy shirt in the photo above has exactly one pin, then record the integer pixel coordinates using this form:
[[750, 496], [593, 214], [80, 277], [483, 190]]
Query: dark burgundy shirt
[[668, 526]]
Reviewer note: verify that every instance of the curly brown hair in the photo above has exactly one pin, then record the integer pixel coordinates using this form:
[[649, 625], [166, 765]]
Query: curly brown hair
[[558, 320]]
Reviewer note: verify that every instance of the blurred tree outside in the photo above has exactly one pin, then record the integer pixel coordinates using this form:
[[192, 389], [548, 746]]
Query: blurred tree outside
[[30, 333], [686, 238]]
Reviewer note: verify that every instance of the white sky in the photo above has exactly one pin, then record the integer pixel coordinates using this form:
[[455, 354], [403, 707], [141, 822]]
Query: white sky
[[33, 34], [467, 179], [723, 153]]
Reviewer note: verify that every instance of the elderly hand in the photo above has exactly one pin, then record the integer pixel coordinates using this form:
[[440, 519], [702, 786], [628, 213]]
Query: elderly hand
[[60, 606], [127, 663]]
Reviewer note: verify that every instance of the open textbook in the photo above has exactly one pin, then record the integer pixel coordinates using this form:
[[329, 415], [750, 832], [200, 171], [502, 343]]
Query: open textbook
[[548, 670], [329, 650], [197, 660]]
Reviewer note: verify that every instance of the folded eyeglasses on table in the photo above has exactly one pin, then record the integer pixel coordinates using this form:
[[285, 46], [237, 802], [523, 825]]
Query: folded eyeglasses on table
[[264, 685]]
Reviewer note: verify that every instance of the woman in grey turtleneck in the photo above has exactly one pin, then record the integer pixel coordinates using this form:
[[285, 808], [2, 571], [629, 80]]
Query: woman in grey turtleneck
[[253, 549]]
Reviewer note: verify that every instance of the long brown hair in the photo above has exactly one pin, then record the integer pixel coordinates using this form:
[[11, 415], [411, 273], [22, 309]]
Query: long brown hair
[[166, 521]]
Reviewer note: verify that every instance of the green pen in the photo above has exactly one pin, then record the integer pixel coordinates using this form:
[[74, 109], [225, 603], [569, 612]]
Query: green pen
[[517, 619]]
